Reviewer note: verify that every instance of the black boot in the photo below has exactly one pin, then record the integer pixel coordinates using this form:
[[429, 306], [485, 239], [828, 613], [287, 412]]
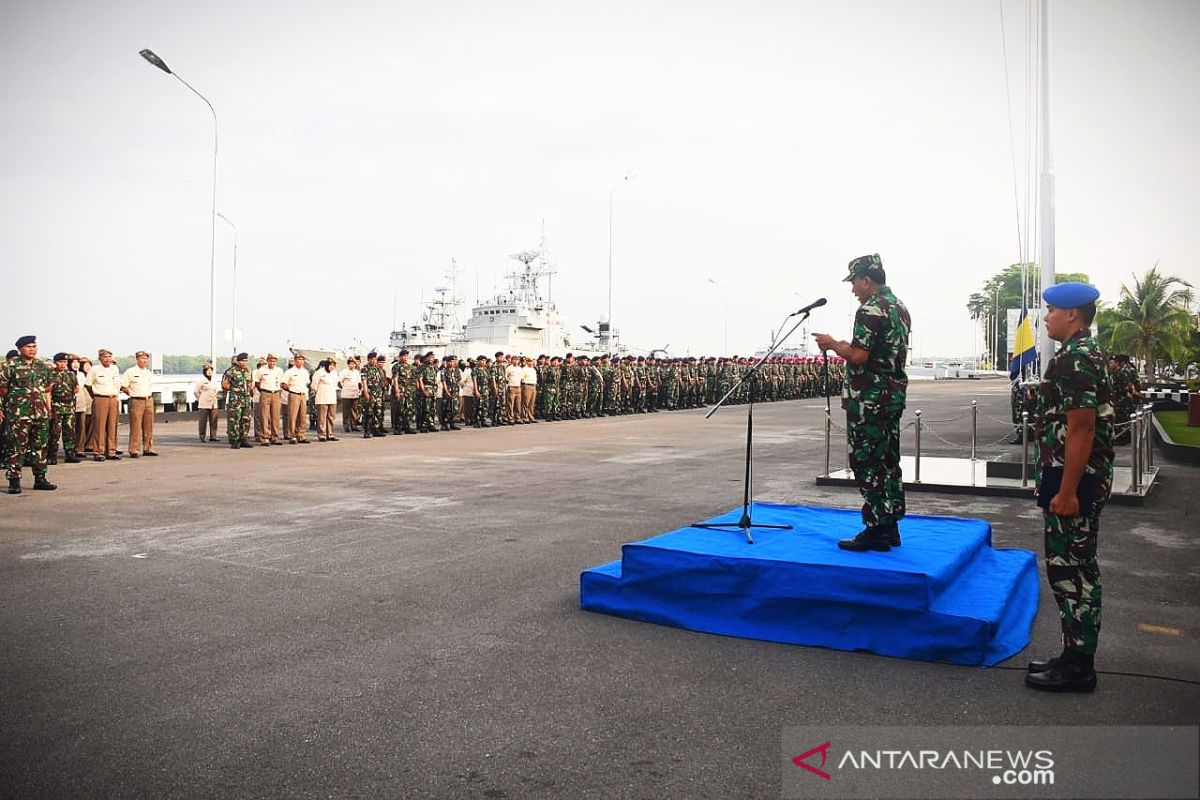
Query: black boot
[[40, 482], [1075, 672], [366, 434], [893, 533], [1044, 666], [72, 458], [14, 485], [52, 460], [870, 538]]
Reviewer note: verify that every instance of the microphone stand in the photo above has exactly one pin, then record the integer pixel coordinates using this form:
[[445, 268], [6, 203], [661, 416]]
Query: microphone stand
[[745, 524]]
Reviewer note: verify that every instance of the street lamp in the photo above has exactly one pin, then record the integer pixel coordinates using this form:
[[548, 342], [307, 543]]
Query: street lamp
[[233, 335], [725, 294], [631, 174], [150, 56]]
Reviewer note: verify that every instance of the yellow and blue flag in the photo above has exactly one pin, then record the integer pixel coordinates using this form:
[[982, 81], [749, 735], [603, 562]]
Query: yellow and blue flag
[[1024, 352]]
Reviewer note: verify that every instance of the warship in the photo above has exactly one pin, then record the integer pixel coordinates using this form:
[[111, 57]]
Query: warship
[[520, 318]]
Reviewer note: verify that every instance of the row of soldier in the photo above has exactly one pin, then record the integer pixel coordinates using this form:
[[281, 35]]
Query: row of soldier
[[427, 393]]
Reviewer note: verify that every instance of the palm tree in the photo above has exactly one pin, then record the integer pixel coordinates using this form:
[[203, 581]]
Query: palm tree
[[1152, 319]]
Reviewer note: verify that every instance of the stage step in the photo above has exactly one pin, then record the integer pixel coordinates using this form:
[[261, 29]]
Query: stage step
[[944, 595]]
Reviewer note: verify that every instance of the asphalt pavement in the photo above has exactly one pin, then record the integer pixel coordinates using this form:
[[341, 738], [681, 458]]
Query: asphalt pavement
[[399, 617]]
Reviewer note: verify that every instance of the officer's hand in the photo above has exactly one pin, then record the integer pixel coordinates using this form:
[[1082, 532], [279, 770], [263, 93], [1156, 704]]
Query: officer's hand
[[1064, 505], [824, 341]]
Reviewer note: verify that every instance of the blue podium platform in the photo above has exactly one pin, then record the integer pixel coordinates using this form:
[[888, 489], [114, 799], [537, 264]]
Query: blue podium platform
[[945, 595]]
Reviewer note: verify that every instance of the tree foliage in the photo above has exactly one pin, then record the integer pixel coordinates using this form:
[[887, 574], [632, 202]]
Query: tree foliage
[[1152, 321], [181, 364], [1003, 290]]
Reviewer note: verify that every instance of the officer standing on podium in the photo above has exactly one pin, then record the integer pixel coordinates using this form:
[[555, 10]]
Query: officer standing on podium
[[1074, 427], [876, 390]]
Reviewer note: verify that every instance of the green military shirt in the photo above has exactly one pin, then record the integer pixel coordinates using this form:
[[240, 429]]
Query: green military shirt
[[239, 385], [375, 379], [402, 374], [28, 385], [62, 391], [1076, 377], [881, 327]]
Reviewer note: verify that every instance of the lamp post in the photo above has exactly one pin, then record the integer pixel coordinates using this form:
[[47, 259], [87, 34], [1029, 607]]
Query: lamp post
[[150, 56], [631, 174], [725, 295], [233, 335]]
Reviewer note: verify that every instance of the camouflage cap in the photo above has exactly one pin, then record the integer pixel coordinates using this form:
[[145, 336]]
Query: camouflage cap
[[867, 266]]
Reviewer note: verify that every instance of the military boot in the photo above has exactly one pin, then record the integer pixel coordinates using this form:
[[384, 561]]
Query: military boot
[[14, 485], [872, 537], [52, 460], [1048, 664], [72, 458], [40, 482], [1074, 672], [893, 533]]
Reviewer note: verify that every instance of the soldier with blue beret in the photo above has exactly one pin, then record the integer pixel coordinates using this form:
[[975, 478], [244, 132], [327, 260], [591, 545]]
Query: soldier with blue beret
[[1074, 432]]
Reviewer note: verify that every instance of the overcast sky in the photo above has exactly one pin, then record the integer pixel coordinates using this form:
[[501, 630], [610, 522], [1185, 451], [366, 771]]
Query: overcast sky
[[365, 144]]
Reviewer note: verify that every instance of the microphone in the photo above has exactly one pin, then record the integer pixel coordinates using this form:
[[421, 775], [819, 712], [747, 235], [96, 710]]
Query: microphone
[[811, 306]]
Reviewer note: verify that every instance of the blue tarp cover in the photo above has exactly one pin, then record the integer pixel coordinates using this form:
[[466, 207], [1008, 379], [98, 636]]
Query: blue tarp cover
[[945, 595]]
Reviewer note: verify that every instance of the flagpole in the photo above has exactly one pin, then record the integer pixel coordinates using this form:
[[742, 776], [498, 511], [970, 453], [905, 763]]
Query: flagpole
[[1046, 186]]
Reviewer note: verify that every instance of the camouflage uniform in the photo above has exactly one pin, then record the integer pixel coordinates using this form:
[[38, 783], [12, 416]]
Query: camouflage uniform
[[500, 382], [1076, 377], [874, 399], [237, 405], [62, 420], [451, 397], [26, 414], [552, 388], [376, 381], [595, 391], [483, 393], [427, 411], [405, 388]]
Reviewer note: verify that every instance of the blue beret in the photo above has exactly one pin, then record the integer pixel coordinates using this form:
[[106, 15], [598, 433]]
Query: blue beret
[[24, 340], [1071, 295]]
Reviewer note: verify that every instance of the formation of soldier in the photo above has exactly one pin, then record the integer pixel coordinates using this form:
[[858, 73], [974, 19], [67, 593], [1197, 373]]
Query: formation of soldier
[[39, 408], [428, 394]]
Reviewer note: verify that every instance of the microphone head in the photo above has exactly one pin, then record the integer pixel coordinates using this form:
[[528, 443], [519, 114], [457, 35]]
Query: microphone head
[[820, 303]]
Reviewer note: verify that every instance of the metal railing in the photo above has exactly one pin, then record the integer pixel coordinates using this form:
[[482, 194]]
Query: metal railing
[[1141, 444]]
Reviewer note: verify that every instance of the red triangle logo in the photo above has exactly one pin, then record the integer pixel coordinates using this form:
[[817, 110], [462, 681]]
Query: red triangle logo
[[800, 760]]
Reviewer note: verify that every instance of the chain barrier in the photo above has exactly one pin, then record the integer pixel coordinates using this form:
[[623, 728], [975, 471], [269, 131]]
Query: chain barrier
[[1008, 422], [925, 428], [940, 421]]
